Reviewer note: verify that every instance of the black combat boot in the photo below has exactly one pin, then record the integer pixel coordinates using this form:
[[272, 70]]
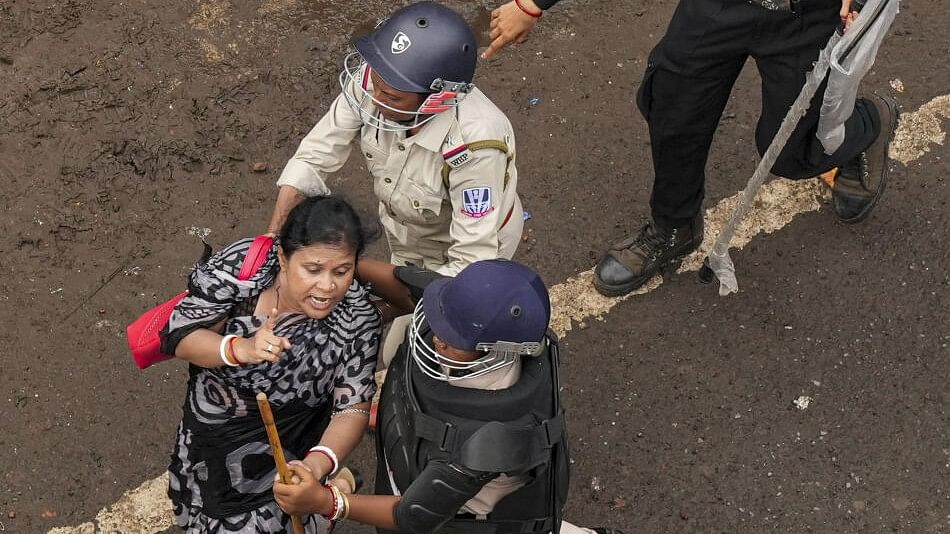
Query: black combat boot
[[858, 184], [630, 263]]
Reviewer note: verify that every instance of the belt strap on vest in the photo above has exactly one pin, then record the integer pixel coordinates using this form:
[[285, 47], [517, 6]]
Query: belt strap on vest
[[496, 447]]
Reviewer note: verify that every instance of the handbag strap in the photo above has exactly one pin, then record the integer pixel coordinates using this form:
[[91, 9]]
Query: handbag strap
[[256, 256]]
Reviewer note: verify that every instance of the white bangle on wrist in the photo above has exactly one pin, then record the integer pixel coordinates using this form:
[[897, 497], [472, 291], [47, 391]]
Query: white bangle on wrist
[[328, 452], [223, 351]]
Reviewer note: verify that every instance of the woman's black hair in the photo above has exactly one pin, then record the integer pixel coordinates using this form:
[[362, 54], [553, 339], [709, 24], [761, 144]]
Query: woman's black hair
[[325, 220]]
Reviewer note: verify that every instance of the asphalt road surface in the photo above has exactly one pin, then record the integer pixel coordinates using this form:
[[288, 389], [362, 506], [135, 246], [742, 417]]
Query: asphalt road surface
[[814, 400]]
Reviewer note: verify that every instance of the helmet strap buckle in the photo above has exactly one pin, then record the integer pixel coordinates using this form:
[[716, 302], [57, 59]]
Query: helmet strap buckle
[[439, 84], [447, 96], [508, 347]]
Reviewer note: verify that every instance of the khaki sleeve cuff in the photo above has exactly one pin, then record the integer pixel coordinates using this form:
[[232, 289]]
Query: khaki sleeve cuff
[[304, 178]]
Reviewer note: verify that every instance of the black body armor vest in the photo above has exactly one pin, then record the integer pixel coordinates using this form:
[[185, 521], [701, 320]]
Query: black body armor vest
[[516, 431]]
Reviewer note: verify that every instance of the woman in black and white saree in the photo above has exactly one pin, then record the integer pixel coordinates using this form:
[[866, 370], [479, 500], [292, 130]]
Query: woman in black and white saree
[[303, 331]]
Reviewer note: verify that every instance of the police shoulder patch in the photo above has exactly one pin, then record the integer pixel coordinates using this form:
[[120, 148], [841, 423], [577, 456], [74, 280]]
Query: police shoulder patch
[[477, 202], [458, 156]]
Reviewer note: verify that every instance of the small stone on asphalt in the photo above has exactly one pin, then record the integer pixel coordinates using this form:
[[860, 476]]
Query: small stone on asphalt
[[595, 484]]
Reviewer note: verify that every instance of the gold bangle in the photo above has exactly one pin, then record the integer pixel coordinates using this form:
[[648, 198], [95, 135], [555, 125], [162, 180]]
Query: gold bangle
[[340, 502], [346, 506]]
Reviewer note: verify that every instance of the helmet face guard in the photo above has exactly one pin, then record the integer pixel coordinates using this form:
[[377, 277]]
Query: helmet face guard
[[438, 367], [355, 86]]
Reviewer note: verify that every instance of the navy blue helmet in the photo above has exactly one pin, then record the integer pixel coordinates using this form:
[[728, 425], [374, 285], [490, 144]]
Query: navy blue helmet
[[419, 44], [499, 308], [423, 48]]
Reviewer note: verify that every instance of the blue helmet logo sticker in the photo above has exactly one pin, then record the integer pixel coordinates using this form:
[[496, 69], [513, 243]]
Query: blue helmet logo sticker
[[400, 43]]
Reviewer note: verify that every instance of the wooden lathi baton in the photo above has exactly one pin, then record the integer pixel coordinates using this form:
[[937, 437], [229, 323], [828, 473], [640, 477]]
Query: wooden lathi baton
[[264, 405]]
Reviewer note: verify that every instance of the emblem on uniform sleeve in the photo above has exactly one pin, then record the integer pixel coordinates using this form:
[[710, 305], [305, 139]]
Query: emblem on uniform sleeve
[[476, 202], [400, 44]]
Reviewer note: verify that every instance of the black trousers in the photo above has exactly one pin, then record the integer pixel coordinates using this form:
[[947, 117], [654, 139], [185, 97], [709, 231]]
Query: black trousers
[[692, 70]]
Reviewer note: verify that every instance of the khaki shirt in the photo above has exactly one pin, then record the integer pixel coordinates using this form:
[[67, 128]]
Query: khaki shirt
[[426, 222]]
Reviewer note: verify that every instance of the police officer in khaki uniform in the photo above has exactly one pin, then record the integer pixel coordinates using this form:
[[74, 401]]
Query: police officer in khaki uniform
[[442, 155]]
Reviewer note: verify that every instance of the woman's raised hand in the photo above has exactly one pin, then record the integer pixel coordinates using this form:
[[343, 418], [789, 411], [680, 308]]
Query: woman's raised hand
[[265, 346]]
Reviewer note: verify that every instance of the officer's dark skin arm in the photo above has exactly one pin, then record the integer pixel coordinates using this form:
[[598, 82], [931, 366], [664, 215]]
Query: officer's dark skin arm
[[308, 496], [287, 199], [438, 503], [376, 510], [385, 284]]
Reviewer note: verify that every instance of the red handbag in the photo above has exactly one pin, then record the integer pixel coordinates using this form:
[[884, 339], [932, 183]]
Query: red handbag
[[142, 334]]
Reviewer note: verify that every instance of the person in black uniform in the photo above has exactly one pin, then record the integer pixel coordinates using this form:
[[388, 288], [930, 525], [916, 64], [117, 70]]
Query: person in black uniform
[[471, 435], [689, 76]]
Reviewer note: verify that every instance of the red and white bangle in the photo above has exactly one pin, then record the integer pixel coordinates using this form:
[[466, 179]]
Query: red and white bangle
[[341, 506], [336, 504], [233, 355], [328, 452], [522, 8], [223, 350]]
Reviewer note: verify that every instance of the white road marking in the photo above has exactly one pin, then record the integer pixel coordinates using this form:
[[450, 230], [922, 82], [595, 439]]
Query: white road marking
[[919, 129], [146, 509], [143, 510], [779, 201]]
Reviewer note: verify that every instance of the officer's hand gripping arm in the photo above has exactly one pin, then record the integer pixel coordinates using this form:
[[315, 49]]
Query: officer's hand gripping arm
[[415, 279], [386, 284]]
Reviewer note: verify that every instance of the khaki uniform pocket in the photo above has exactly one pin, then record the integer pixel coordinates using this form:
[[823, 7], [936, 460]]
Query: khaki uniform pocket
[[416, 204]]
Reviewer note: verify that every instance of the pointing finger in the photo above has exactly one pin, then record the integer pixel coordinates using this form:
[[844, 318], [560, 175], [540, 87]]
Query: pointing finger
[[495, 46]]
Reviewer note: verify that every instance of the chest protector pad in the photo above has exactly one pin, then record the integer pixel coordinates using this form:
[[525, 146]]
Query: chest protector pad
[[515, 431]]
